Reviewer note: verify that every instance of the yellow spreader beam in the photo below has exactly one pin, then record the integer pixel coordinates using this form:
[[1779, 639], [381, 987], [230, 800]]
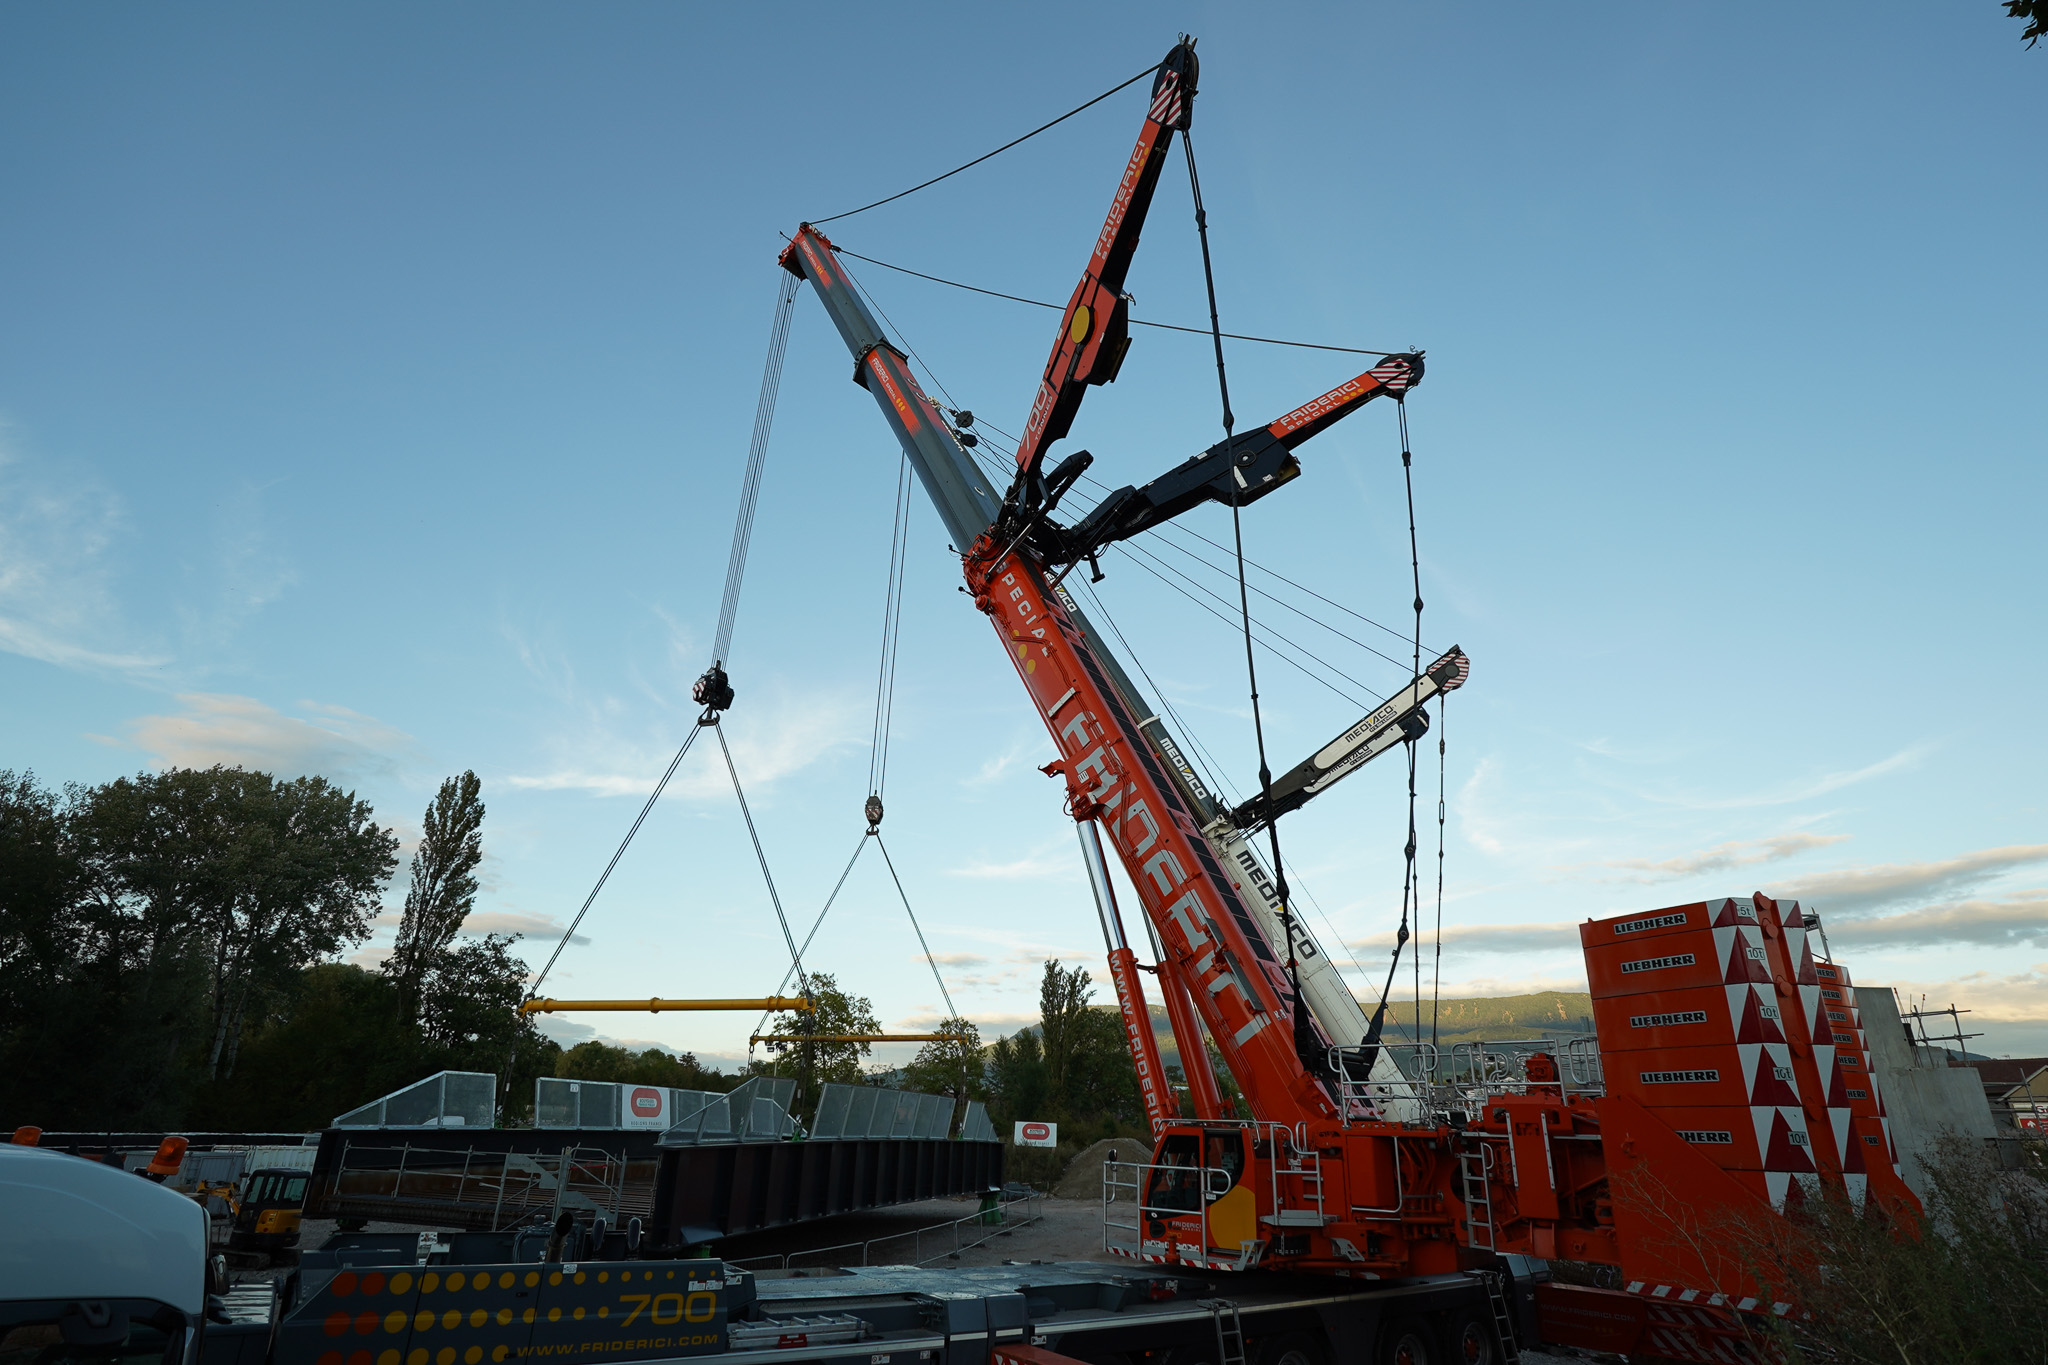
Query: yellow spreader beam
[[656, 1005], [858, 1038]]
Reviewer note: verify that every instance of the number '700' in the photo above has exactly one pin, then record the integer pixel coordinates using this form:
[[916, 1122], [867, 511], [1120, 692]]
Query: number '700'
[[663, 1308]]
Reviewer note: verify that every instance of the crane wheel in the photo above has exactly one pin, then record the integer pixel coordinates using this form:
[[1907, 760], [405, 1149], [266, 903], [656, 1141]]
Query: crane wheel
[[1290, 1348], [1407, 1341], [1468, 1339]]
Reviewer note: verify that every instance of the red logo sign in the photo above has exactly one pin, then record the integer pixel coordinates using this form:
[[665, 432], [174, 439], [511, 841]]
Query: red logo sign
[[1036, 1132], [646, 1101]]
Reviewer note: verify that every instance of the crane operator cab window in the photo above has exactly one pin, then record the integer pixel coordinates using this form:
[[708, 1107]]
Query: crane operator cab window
[[1197, 1194]]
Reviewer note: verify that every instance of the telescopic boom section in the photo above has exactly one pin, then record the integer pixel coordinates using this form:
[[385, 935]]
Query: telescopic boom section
[[1239, 987], [1095, 330]]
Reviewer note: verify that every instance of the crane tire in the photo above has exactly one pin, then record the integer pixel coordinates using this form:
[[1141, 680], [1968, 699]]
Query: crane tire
[[1468, 1338], [1407, 1341], [1291, 1348]]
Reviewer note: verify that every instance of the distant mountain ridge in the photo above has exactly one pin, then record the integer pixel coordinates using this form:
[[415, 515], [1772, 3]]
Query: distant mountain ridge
[[1465, 1019]]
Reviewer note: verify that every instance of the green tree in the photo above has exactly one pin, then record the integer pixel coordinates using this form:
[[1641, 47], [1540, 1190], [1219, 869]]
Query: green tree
[[301, 865], [1063, 998], [957, 1066], [595, 1061], [2035, 12], [444, 886], [836, 1013]]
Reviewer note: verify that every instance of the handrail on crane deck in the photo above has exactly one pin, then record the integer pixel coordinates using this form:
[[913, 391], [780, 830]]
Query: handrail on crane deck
[[656, 1005], [859, 1038]]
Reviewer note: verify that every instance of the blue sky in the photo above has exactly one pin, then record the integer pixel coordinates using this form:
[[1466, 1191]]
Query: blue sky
[[375, 384]]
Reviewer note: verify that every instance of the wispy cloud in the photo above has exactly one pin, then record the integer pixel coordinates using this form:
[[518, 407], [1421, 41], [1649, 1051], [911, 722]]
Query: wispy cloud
[[1789, 793], [543, 928], [2019, 921], [1055, 861], [1554, 936], [780, 734], [1734, 853], [2021, 995], [1856, 891], [213, 727], [996, 767], [56, 592]]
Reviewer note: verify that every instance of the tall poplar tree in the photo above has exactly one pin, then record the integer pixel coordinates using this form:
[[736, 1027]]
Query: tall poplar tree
[[444, 886]]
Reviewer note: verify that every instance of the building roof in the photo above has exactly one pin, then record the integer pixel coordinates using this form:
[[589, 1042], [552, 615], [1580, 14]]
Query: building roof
[[2004, 1074]]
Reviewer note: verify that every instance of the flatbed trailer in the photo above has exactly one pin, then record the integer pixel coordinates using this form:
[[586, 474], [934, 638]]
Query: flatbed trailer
[[371, 1299]]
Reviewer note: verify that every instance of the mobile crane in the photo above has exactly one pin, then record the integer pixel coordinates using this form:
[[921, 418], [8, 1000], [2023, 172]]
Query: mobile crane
[[1349, 1165], [1362, 1212]]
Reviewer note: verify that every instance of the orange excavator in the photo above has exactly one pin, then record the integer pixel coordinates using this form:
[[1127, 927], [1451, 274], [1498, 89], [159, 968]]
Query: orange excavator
[[1723, 1093]]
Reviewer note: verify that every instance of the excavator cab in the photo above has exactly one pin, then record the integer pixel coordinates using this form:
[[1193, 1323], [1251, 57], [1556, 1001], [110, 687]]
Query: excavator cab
[[1197, 1200], [267, 1219]]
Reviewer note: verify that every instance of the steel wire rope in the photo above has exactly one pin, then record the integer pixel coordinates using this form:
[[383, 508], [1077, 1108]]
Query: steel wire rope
[[1219, 773], [995, 471], [1175, 579], [735, 571], [534, 990], [1443, 733], [1269, 630], [757, 455], [997, 152], [761, 856], [996, 474], [1135, 322], [1177, 528], [892, 634], [816, 924], [1409, 888], [930, 961]]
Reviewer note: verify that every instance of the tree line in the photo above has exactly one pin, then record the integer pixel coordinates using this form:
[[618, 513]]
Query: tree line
[[170, 945], [171, 951]]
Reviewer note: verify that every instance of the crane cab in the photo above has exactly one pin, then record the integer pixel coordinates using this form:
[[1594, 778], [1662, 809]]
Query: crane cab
[[1196, 1201]]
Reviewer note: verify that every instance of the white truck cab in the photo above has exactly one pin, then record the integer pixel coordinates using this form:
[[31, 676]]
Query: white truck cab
[[98, 1266]]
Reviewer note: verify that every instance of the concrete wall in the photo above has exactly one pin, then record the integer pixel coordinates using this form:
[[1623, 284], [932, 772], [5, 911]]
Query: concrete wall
[[1925, 1097]]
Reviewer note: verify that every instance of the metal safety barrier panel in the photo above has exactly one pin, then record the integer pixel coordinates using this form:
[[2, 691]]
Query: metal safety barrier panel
[[467, 1315]]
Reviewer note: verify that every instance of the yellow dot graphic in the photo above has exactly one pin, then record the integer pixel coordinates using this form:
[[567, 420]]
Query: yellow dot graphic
[[604, 1312], [401, 1282], [417, 1356], [527, 1316], [580, 1277], [504, 1316], [604, 1276], [532, 1278], [445, 1356], [554, 1277], [424, 1320], [500, 1351], [578, 1315], [478, 1317], [505, 1280], [387, 1357], [394, 1322], [455, 1281], [554, 1315], [451, 1317], [473, 1355], [429, 1282]]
